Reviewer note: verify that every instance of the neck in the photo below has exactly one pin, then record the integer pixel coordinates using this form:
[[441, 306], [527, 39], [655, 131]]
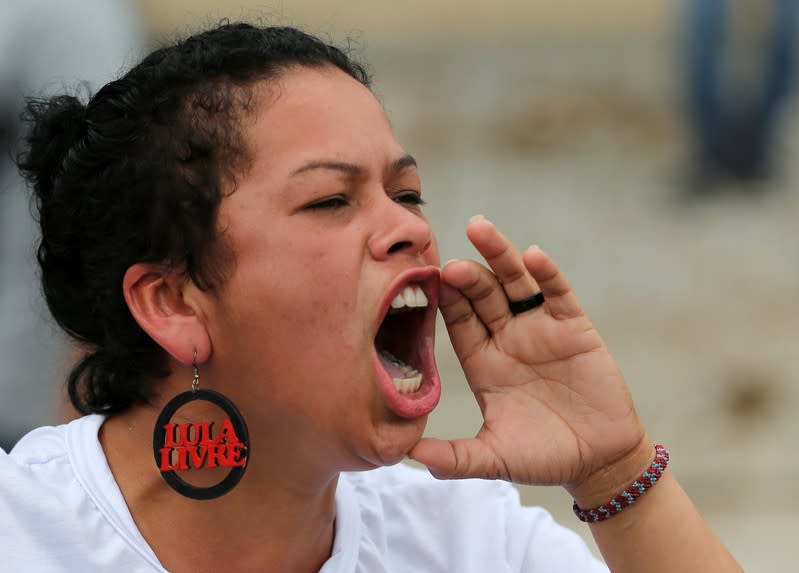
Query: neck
[[274, 520]]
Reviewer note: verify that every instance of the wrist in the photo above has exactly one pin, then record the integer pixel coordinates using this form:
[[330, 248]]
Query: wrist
[[611, 479]]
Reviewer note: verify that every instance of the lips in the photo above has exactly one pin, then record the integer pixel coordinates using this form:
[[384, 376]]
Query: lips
[[404, 344]]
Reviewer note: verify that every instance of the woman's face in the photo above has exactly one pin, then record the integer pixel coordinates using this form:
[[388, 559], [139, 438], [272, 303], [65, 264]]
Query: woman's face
[[327, 230]]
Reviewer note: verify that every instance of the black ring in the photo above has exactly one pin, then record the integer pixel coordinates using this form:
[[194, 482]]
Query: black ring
[[529, 303], [159, 434]]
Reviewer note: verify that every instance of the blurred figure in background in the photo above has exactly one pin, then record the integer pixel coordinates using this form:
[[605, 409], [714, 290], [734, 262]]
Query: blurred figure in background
[[46, 46], [741, 67]]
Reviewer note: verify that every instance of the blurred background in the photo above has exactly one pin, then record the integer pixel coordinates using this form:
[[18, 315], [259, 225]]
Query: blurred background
[[651, 147]]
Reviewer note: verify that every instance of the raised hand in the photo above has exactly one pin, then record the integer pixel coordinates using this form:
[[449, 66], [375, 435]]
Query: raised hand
[[555, 406]]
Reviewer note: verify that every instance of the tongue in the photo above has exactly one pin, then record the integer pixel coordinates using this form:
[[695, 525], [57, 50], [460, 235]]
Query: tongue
[[390, 364]]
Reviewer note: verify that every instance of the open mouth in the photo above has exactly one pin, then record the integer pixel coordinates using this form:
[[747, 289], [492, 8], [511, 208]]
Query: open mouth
[[406, 366]]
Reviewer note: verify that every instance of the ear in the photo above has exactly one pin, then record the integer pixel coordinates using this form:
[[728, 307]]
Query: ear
[[155, 297]]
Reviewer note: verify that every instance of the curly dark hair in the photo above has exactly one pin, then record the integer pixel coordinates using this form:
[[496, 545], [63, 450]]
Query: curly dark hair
[[137, 175]]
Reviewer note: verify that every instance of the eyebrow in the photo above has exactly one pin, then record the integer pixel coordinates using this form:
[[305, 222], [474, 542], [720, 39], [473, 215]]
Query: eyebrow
[[350, 168]]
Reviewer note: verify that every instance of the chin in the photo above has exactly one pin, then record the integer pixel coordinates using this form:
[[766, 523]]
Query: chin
[[396, 439]]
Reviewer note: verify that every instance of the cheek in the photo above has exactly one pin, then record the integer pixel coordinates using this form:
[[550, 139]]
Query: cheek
[[310, 308], [299, 295]]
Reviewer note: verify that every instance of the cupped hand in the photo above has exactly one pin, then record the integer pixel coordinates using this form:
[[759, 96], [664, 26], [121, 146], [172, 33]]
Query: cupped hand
[[555, 406]]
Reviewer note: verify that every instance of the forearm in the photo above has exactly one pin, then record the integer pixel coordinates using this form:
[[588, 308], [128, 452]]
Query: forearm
[[662, 531]]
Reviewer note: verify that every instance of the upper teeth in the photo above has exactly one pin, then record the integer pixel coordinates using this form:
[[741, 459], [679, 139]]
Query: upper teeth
[[410, 296]]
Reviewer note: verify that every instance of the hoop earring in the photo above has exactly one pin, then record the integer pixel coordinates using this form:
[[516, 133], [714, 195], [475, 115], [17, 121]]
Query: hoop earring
[[187, 446]]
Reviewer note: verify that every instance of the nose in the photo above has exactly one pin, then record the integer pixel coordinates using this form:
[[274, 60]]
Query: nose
[[399, 230]]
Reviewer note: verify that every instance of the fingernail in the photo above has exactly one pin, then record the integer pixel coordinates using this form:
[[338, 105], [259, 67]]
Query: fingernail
[[476, 218], [451, 261], [533, 247]]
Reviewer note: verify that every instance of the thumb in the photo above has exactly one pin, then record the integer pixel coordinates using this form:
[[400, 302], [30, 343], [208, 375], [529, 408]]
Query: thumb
[[455, 459]]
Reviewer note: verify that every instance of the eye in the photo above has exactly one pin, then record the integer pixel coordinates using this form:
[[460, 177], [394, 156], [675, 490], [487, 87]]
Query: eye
[[409, 198], [328, 204]]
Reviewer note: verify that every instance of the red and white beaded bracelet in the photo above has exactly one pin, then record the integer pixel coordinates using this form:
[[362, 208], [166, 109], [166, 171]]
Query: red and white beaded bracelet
[[630, 495]]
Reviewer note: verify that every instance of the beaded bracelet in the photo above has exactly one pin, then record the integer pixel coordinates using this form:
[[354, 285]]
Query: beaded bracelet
[[629, 496]]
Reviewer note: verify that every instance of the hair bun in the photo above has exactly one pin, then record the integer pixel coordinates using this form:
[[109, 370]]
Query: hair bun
[[50, 162], [55, 126]]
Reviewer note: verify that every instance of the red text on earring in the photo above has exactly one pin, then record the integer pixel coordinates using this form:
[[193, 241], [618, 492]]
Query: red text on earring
[[192, 446]]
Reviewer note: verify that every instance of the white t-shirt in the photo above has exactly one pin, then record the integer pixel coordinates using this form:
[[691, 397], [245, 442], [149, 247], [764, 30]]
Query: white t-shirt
[[61, 511]]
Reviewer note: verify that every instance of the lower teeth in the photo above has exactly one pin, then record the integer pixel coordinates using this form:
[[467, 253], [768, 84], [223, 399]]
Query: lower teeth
[[409, 384], [412, 378]]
